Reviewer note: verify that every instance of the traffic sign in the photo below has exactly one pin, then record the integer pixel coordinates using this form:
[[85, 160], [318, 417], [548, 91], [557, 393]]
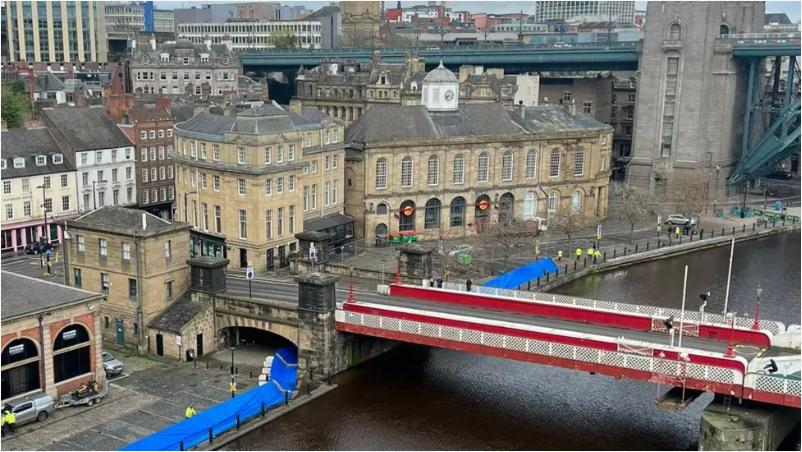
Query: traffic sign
[[598, 231], [249, 273], [312, 252]]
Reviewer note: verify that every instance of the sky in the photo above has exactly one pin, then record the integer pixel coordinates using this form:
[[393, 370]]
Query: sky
[[792, 8]]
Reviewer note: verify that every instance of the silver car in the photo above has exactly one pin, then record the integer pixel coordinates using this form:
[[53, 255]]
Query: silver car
[[111, 365], [34, 407]]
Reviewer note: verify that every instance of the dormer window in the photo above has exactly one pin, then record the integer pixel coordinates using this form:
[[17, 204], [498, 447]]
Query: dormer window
[[19, 162], [41, 160], [58, 159], [414, 86], [3, 164], [204, 57], [165, 57], [186, 60], [383, 80]]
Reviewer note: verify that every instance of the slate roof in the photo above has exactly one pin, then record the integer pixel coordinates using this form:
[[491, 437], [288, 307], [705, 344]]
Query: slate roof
[[395, 122], [175, 316], [28, 144], [148, 114], [123, 217], [329, 221], [440, 74], [777, 18], [554, 119], [268, 118], [43, 81], [24, 295], [87, 128]]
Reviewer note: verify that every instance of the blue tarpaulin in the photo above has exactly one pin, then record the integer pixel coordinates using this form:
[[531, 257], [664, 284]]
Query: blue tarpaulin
[[224, 416], [522, 275]]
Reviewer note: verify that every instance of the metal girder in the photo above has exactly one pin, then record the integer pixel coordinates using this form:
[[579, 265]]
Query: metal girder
[[779, 142]]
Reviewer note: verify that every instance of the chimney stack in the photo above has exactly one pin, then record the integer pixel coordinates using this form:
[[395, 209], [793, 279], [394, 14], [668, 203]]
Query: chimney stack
[[152, 42], [144, 221], [166, 102]]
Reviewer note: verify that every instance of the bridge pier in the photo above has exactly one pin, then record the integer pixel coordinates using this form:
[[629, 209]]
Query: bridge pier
[[749, 426], [328, 350]]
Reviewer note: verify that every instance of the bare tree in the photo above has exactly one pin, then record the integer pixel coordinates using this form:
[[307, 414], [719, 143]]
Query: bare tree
[[632, 204], [570, 221], [687, 190], [508, 235]]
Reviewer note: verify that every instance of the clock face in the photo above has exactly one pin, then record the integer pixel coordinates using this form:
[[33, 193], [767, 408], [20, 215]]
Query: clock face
[[449, 95]]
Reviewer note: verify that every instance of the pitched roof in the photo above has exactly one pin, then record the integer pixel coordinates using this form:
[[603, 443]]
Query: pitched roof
[[175, 316], [123, 217], [28, 144], [268, 118], [329, 221], [394, 122], [148, 114], [554, 118], [87, 128], [24, 295]]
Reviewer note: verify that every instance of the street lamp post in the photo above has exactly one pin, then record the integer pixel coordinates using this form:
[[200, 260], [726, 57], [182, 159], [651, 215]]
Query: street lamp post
[[45, 232], [233, 385], [351, 285], [730, 347], [756, 325]]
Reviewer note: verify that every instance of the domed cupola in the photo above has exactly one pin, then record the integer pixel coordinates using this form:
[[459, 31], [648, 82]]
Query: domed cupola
[[440, 90]]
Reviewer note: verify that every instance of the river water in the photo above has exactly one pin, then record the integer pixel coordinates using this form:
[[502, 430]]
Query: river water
[[420, 398]]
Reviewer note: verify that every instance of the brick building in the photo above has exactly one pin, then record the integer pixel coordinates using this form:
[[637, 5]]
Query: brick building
[[51, 337], [137, 260]]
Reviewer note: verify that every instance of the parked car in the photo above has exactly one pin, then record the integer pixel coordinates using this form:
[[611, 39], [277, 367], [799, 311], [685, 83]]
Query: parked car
[[682, 220], [461, 249], [37, 247], [784, 175], [33, 407], [111, 365]]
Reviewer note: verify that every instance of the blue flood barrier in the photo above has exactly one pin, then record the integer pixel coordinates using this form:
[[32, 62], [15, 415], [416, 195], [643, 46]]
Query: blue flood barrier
[[522, 275], [223, 417]]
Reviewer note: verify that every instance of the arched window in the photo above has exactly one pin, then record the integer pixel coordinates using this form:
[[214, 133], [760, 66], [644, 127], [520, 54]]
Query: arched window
[[433, 170], [381, 230], [675, 32], [458, 212], [576, 202], [20, 367], [506, 166], [71, 357], [431, 219], [579, 162], [381, 173], [723, 30], [506, 211], [531, 165], [406, 172], [530, 205], [406, 222], [459, 169], [484, 164], [553, 204], [554, 163], [381, 209]]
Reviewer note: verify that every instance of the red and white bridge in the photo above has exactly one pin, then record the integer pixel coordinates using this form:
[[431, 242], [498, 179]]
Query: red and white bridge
[[615, 339]]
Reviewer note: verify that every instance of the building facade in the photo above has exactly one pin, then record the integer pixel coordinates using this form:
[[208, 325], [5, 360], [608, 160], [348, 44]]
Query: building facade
[[620, 11], [256, 10], [622, 118], [56, 31], [253, 35], [453, 169], [136, 260], [151, 132], [104, 157], [51, 338], [254, 178], [39, 186], [184, 68], [212, 13], [681, 68], [360, 23], [127, 19]]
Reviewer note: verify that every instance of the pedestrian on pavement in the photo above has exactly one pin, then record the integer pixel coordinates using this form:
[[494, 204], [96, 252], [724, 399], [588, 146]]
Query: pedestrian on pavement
[[468, 284], [578, 254], [3, 425], [189, 412], [559, 256], [439, 283], [676, 232], [431, 282], [596, 256], [590, 250], [11, 422]]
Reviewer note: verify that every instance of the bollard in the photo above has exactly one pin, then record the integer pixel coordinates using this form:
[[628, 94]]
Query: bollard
[[774, 222], [743, 229], [647, 246], [658, 244], [722, 231], [207, 365], [636, 247], [680, 240], [557, 272], [329, 378], [547, 277], [286, 397], [605, 256], [238, 422], [585, 262], [614, 252], [309, 386], [538, 281], [251, 374], [195, 363], [529, 285], [575, 265], [180, 445], [733, 230], [712, 233], [221, 367], [566, 269], [263, 409], [783, 221], [702, 234], [211, 437], [753, 227], [236, 371], [766, 225], [625, 251]]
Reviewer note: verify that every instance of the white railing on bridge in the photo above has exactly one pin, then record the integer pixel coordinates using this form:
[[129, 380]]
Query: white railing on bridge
[[743, 36], [653, 311], [771, 383], [624, 357]]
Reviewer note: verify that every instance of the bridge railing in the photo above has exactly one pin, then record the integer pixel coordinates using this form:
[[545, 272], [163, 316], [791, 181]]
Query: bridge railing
[[653, 311], [763, 38]]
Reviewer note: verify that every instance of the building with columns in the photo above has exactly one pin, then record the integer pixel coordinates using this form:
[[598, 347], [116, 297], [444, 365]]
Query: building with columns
[[449, 169], [252, 181], [56, 31]]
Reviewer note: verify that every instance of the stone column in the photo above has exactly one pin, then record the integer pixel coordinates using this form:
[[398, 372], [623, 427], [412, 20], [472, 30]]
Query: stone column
[[748, 426], [317, 333], [313, 251], [416, 263]]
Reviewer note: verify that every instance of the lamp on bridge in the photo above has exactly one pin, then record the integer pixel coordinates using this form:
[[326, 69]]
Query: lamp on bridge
[[756, 325], [351, 285], [233, 386], [730, 348]]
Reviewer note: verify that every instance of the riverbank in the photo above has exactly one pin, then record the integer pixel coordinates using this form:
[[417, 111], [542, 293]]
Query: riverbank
[[642, 252]]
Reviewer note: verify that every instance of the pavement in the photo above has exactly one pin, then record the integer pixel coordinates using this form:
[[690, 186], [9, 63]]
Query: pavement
[[148, 397]]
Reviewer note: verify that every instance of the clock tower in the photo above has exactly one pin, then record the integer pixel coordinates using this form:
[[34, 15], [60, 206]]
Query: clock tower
[[440, 90]]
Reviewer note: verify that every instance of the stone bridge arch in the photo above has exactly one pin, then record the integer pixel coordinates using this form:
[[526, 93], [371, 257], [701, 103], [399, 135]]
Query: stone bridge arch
[[225, 321]]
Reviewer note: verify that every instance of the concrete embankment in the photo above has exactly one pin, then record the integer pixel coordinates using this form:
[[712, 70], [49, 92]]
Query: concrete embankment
[[660, 253]]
